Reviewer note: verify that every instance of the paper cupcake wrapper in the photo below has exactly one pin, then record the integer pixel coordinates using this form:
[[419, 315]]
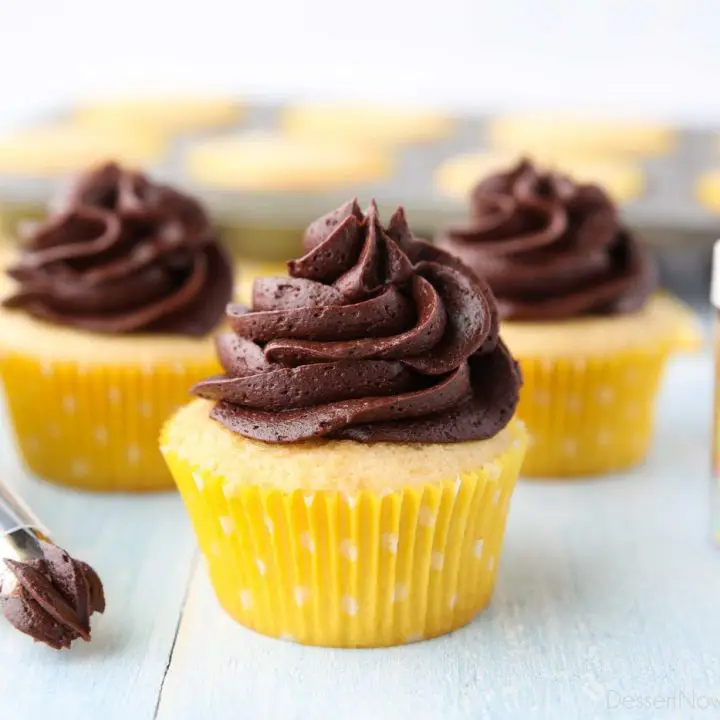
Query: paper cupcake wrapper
[[95, 426], [368, 570], [589, 415]]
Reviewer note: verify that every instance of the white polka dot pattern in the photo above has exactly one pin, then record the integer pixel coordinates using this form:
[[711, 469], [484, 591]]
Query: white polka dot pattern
[[199, 481], [80, 468], [349, 605], [301, 595], [573, 403], [604, 437], [390, 542], [400, 592], [133, 454], [227, 524], [307, 542], [348, 550], [426, 517], [569, 447], [492, 470], [246, 599], [320, 575]]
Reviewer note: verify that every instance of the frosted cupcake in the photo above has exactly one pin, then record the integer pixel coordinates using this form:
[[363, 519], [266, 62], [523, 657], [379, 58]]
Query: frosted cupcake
[[350, 472], [106, 321], [576, 292]]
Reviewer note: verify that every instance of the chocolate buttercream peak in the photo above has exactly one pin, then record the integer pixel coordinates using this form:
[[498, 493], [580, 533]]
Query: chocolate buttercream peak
[[376, 337]]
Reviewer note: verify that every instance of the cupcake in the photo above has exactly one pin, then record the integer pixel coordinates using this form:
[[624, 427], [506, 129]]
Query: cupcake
[[350, 473], [576, 292], [106, 321]]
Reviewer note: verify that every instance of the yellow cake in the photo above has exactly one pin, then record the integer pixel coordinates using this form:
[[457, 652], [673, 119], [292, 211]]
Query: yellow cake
[[340, 543], [98, 343], [577, 294], [590, 385], [556, 130], [267, 162], [339, 498], [365, 125], [86, 409], [62, 148], [168, 114]]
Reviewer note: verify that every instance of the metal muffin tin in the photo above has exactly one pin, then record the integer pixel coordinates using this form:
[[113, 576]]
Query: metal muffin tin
[[666, 214]]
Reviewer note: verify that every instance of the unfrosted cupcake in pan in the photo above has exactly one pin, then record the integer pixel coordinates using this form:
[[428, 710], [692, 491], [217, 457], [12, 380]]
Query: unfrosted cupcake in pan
[[576, 291], [106, 321], [167, 114], [365, 125], [350, 472], [622, 178], [55, 149], [557, 130]]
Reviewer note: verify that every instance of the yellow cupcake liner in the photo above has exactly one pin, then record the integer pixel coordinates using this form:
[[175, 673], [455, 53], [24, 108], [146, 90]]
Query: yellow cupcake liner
[[365, 570], [589, 415], [95, 425]]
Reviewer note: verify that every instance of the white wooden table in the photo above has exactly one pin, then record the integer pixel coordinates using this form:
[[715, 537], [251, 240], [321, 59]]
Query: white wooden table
[[608, 605]]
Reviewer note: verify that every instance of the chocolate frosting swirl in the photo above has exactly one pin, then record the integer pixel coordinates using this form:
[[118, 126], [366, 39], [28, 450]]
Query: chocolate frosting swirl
[[551, 248], [375, 336], [124, 255], [54, 598]]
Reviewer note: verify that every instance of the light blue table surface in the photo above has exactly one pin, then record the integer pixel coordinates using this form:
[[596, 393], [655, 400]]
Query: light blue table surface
[[607, 606]]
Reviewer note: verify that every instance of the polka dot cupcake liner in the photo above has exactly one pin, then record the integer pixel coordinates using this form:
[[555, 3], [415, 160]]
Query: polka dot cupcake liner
[[95, 425], [365, 570], [589, 415]]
